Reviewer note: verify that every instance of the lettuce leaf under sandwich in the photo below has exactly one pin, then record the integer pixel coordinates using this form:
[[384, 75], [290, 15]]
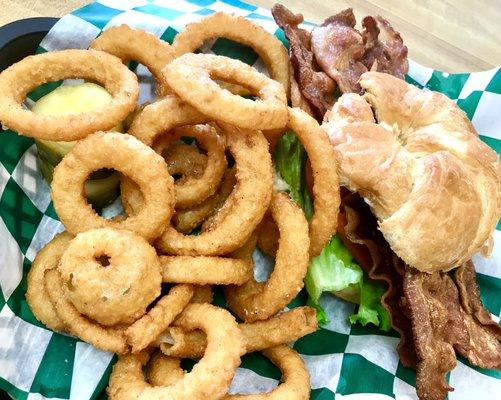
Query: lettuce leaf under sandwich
[[334, 270], [290, 159]]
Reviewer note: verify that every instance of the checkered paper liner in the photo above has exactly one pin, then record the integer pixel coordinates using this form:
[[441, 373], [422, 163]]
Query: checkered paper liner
[[344, 361]]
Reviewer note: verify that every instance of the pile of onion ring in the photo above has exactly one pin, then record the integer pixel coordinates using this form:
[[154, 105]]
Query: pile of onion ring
[[197, 191]]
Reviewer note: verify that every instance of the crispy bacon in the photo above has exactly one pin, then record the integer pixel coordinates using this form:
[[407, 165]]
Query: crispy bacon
[[339, 48], [357, 228], [465, 277], [484, 348], [297, 98], [438, 327], [345, 54], [337, 53], [435, 315], [316, 86], [384, 48]]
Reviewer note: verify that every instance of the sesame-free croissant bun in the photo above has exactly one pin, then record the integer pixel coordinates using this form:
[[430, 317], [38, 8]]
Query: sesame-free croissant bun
[[416, 159]]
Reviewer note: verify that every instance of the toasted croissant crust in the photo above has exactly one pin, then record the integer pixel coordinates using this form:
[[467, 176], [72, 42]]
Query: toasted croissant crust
[[431, 182]]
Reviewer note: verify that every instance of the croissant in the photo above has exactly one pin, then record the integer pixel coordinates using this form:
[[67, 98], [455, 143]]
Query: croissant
[[417, 160]]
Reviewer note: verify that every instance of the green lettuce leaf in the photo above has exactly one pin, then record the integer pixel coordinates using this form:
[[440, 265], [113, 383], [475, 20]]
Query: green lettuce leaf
[[370, 309], [290, 159], [321, 314], [334, 270]]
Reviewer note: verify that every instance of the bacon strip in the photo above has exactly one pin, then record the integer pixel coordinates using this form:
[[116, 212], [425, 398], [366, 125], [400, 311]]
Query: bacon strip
[[465, 277], [357, 228], [297, 98], [316, 86], [435, 315], [339, 48], [384, 47], [438, 327], [484, 349], [337, 53], [345, 54]]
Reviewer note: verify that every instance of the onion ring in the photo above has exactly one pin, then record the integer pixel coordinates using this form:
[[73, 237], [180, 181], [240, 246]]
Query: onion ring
[[284, 328], [146, 330], [139, 335], [273, 136], [36, 295], [116, 293], [185, 160], [326, 200], [202, 294], [241, 30], [181, 159], [108, 339], [127, 122], [234, 89], [162, 116], [96, 299], [130, 44], [97, 66], [130, 195], [154, 120], [295, 377], [188, 219], [210, 378], [113, 150], [203, 270], [192, 191], [163, 370], [268, 236], [248, 201], [258, 301], [245, 252], [190, 76]]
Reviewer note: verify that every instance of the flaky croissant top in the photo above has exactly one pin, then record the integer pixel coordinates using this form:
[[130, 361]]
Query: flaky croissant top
[[418, 162]]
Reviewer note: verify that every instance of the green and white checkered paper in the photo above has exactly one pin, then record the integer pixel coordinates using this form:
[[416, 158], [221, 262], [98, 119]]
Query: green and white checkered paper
[[345, 361]]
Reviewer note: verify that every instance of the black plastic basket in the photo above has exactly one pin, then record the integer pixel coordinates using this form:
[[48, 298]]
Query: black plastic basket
[[18, 40], [21, 38]]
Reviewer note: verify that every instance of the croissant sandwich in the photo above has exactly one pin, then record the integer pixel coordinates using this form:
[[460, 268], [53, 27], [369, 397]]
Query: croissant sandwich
[[421, 195]]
